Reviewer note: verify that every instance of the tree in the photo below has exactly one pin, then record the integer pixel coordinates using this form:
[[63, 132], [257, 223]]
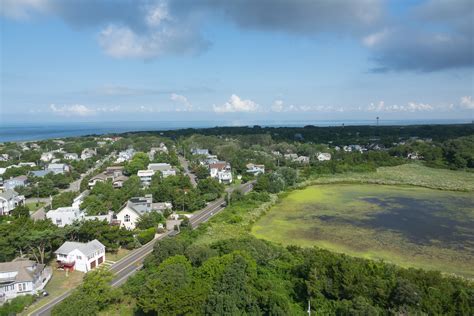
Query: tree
[[150, 220], [92, 296], [42, 237], [139, 161], [210, 189], [201, 171], [63, 199], [21, 211]]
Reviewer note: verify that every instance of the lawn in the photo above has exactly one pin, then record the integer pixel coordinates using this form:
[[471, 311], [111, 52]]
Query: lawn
[[59, 283], [118, 255], [32, 206], [406, 225]]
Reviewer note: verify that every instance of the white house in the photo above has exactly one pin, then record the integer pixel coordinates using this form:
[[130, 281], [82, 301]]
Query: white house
[[145, 176], [63, 216], [88, 153], [167, 173], [159, 166], [22, 277], [58, 168], [199, 151], [221, 171], [323, 156], [71, 156], [80, 256], [9, 200], [302, 159], [255, 169], [4, 157], [125, 155], [47, 156], [136, 207], [12, 183]]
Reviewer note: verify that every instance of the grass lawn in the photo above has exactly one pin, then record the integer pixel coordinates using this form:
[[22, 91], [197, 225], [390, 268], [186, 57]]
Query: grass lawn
[[58, 284], [118, 255], [33, 207], [406, 225], [410, 174]]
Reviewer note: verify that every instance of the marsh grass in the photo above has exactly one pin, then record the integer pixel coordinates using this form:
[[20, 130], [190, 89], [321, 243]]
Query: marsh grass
[[409, 174], [344, 218]]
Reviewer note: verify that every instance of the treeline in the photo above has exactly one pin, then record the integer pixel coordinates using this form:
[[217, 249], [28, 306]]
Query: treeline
[[338, 135], [251, 276], [24, 237]]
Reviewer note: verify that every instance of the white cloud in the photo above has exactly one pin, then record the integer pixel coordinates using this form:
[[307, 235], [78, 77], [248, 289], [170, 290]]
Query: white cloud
[[409, 107], [236, 104], [375, 38], [72, 110], [21, 9], [122, 42], [181, 99], [277, 106], [157, 14], [467, 102]]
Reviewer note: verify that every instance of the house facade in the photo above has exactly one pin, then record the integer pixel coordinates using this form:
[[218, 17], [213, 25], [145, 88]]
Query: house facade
[[145, 176], [9, 200], [63, 216], [22, 277], [221, 171], [323, 156], [71, 156], [79, 256], [12, 183], [129, 215], [58, 168], [255, 169]]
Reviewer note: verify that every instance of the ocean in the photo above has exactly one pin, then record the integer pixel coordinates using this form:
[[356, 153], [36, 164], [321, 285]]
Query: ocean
[[12, 132]]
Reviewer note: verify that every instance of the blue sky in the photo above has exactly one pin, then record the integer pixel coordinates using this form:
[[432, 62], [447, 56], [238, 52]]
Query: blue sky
[[236, 60]]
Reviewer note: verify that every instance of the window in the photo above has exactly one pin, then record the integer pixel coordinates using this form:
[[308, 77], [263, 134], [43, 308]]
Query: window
[[20, 287], [126, 218], [59, 221], [79, 257]]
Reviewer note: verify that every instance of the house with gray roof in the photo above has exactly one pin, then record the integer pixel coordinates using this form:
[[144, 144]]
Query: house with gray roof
[[12, 183], [9, 200], [58, 168], [80, 256], [22, 277], [129, 215]]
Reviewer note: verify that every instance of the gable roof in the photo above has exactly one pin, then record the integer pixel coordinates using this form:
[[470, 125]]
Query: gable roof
[[86, 248], [26, 270], [8, 194]]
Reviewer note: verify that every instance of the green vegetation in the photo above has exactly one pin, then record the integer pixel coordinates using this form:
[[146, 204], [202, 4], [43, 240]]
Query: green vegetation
[[410, 174], [16, 305], [92, 296], [409, 226], [33, 206], [63, 199], [59, 283]]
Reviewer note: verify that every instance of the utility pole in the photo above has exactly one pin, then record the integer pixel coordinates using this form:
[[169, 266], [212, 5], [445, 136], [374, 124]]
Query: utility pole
[[309, 308]]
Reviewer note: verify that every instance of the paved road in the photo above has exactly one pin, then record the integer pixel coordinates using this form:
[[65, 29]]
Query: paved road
[[185, 165], [128, 265], [74, 186]]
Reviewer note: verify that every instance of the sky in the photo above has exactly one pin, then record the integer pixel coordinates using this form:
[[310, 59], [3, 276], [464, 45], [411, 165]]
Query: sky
[[153, 60]]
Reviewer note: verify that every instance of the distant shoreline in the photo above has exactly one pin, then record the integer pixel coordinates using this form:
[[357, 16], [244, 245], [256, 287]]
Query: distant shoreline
[[23, 131]]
